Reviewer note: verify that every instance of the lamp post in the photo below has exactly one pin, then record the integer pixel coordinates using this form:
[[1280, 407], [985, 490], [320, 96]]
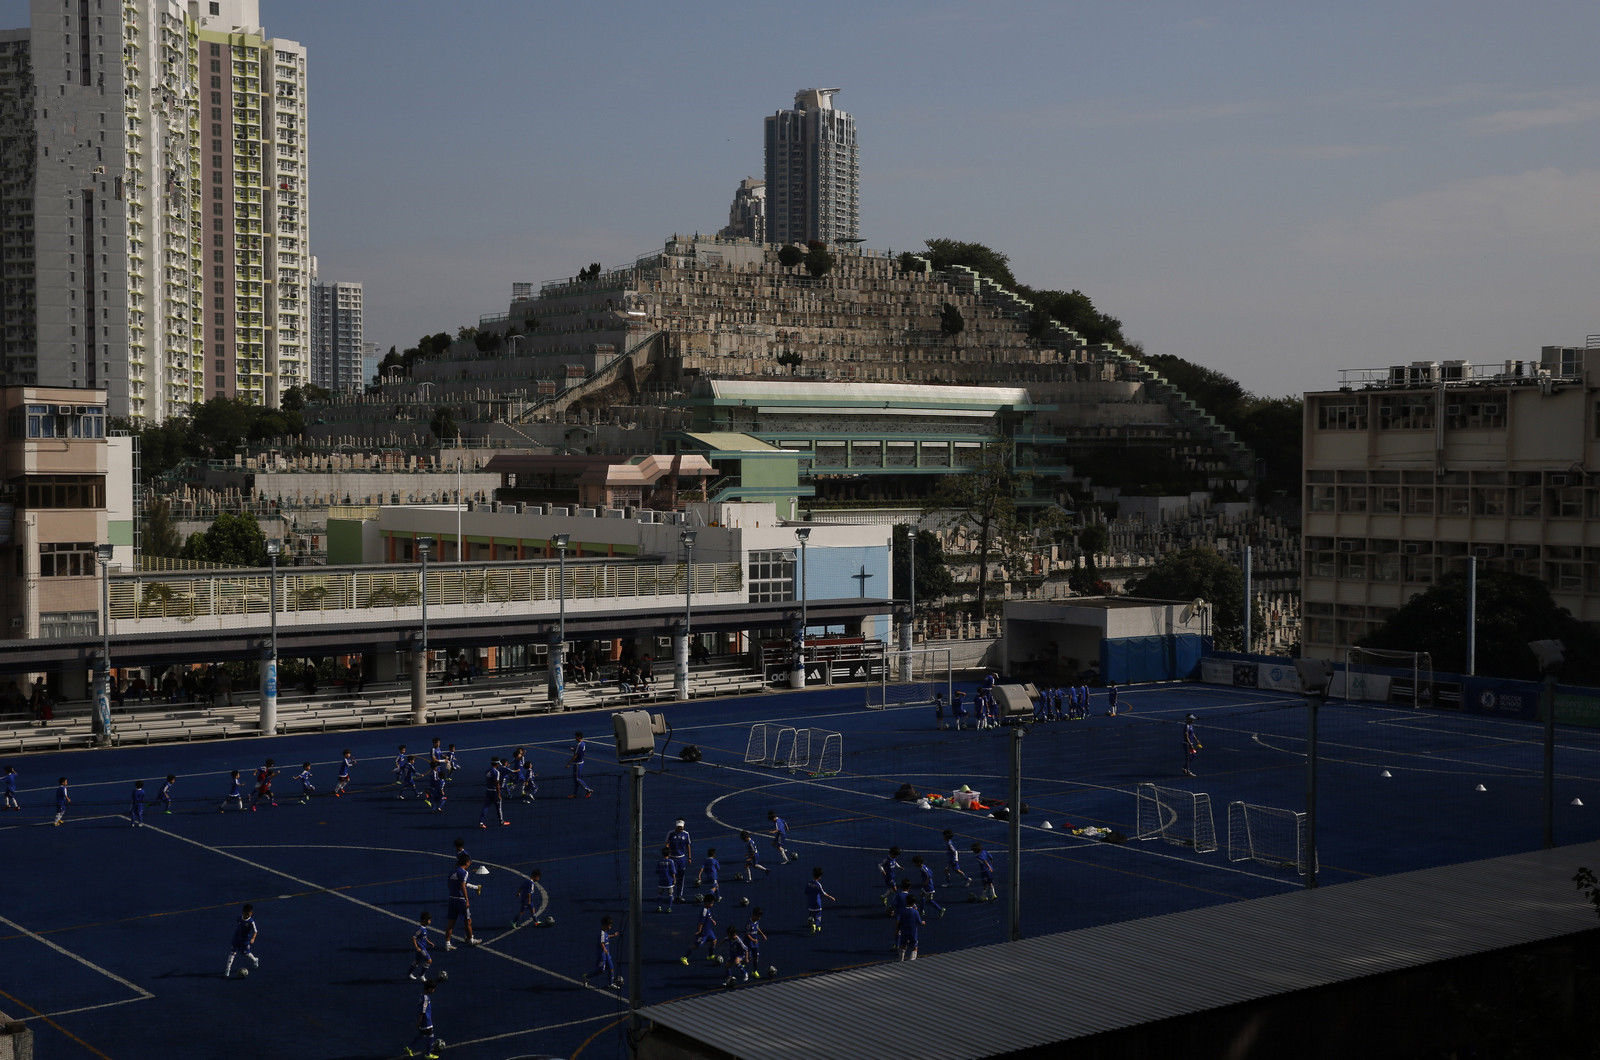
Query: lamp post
[[1315, 677], [558, 650], [419, 648], [797, 677], [102, 674], [680, 666], [1550, 654], [269, 662]]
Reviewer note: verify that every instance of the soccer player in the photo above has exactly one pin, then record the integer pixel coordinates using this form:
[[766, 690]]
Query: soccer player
[[925, 885], [244, 937], [604, 966], [136, 807], [738, 956], [347, 762], [235, 793], [459, 889], [436, 796], [407, 778], [1191, 745], [753, 938], [525, 895], [421, 955], [8, 785], [952, 860], [889, 866], [752, 859], [451, 762], [682, 848], [705, 931], [164, 796], [306, 787], [435, 753], [958, 707], [908, 926], [263, 788], [426, 1042], [985, 873], [580, 750], [712, 868], [399, 764], [491, 796], [527, 780], [666, 881], [780, 834], [938, 709], [1111, 700], [814, 896]]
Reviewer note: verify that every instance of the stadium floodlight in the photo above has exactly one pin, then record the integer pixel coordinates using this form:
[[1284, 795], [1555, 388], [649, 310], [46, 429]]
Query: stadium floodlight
[[635, 734], [1550, 654], [1014, 702], [1316, 676]]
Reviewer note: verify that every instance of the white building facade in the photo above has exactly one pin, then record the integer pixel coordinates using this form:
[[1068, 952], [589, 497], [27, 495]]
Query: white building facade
[[338, 338], [153, 224]]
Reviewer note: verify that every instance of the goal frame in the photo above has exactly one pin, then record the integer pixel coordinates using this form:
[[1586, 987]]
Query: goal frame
[[1182, 818], [1389, 663], [1248, 822], [903, 670], [758, 731]]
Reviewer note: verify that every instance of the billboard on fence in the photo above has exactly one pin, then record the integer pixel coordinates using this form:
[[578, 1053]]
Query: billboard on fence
[[1578, 708], [1216, 671], [1505, 699], [1280, 677]]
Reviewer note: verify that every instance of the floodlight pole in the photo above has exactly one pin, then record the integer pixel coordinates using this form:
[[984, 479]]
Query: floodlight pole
[[635, 898], [1472, 616], [102, 672], [419, 649], [680, 662], [1549, 697], [1014, 819], [1314, 699], [268, 723], [1247, 608], [797, 678], [556, 682]]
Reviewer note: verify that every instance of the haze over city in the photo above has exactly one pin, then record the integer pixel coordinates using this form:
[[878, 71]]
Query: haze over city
[[1274, 193]]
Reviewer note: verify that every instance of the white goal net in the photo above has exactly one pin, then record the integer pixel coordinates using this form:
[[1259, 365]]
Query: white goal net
[[1180, 817], [1269, 835], [1380, 675], [912, 677], [815, 752]]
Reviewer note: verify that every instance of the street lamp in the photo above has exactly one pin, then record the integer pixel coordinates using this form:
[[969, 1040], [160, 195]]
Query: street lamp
[[102, 677], [1316, 676], [269, 665], [419, 651], [681, 662], [799, 677], [1551, 654], [558, 650]]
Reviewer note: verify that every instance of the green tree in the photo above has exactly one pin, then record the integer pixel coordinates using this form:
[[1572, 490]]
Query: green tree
[[158, 534], [975, 256], [933, 573], [984, 500], [790, 256], [232, 540], [1200, 573], [819, 260], [1513, 609], [1093, 537], [790, 360], [443, 425], [222, 424], [951, 322]]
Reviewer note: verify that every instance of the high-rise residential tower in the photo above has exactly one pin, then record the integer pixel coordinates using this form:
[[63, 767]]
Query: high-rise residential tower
[[338, 341], [813, 175], [153, 206], [747, 217]]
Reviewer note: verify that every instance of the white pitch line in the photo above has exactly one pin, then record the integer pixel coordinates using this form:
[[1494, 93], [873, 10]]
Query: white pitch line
[[113, 976], [358, 902], [534, 1030], [86, 1008]]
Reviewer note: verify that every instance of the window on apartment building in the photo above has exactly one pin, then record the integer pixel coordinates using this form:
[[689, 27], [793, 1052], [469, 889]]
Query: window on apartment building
[[1320, 557], [1416, 562], [1342, 414], [1403, 412], [67, 559], [1468, 412], [64, 491]]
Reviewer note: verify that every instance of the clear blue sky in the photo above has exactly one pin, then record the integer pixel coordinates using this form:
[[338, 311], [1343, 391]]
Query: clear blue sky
[[1273, 190]]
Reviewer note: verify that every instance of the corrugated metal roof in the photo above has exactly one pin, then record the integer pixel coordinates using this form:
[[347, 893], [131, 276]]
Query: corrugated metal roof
[[932, 394], [732, 442], [1228, 953]]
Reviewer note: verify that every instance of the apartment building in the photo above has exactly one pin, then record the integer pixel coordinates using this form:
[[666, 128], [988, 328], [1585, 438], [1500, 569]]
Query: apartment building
[[813, 173], [153, 213], [338, 339], [1412, 469]]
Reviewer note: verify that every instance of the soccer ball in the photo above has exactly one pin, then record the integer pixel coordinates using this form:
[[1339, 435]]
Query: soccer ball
[[443, 976], [743, 902], [549, 921], [243, 972], [719, 959], [772, 969]]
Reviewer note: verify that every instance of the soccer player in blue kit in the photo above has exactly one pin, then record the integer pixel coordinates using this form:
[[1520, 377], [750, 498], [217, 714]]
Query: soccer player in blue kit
[[306, 787], [436, 796], [985, 873], [952, 859], [753, 938], [889, 866], [235, 794], [925, 883], [580, 750], [1191, 745], [492, 795], [752, 858], [780, 836], [705, 932], [164, 796], [459, 889], [347, 762], [908, 928], [526, 893], [814, 896], [421, 955], [738, 956], [604, 966], [8, 784], [244, 937], [681, 848], [710, 868], [666, 881], [136, 807], [426, 1042], [63, 800]]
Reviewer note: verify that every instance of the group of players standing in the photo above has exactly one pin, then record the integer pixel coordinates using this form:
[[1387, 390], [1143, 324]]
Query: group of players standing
[[1067, 703]]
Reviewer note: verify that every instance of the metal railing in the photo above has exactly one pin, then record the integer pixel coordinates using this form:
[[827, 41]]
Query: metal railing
[[135, 597]]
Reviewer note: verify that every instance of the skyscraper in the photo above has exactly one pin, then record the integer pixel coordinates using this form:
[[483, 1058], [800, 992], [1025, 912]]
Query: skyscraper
[[153, 211], [813, 175], [747, 217], [338, 340]]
